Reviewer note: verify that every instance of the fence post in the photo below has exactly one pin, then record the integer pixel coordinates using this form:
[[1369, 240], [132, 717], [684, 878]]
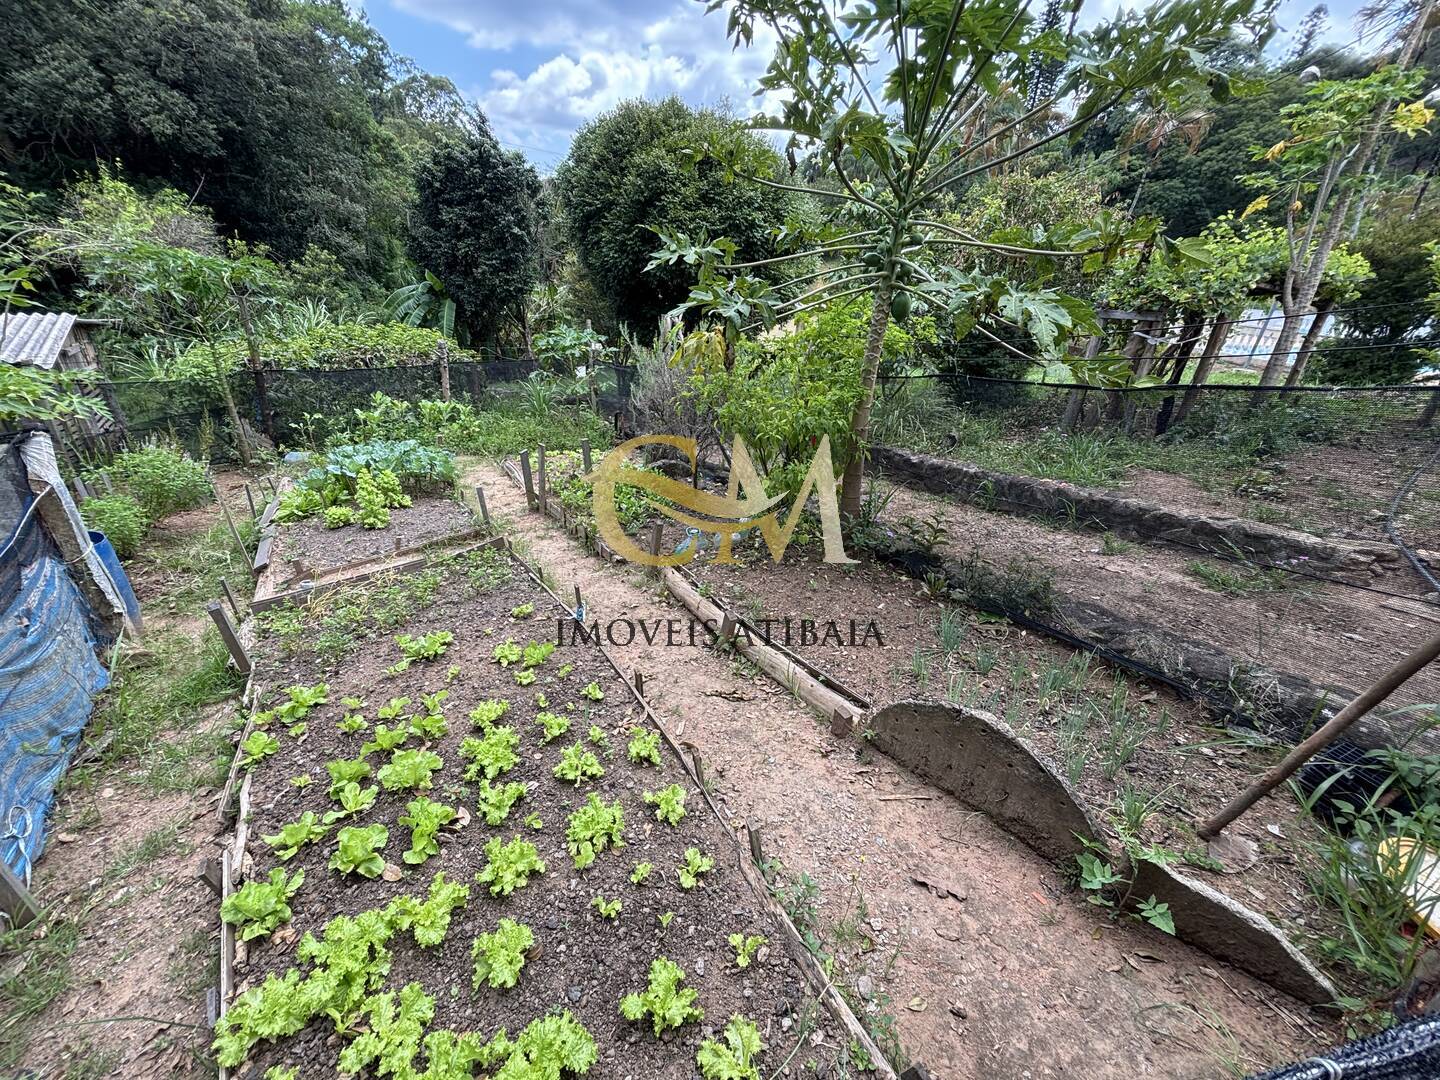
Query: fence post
[[540, 479], [262, 394], [585, 454], [229, 637], [444, 351], [529, 481]]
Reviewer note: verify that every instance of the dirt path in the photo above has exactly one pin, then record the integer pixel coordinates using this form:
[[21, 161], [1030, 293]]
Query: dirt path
[[1020, 978], [117, 986]]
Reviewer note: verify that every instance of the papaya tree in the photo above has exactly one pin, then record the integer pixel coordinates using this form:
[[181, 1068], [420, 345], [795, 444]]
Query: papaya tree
[[898, 104]]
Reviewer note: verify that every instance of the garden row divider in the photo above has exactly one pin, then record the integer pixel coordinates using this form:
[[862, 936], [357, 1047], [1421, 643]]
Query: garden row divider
[[746, 855]]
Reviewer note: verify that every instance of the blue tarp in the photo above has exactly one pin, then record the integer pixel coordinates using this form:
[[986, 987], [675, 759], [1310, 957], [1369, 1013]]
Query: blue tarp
[[49, 674]]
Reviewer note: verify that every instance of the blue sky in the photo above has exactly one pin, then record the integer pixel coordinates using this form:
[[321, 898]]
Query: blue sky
[[541, 68]]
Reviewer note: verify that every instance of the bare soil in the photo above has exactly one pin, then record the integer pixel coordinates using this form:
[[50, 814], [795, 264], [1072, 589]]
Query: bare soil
[[582, 962], [1021, 978], [307, 548], [1333, 634]]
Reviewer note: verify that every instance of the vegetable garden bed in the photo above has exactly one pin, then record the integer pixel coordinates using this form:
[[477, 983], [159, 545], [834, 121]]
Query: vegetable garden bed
[[349, 958]]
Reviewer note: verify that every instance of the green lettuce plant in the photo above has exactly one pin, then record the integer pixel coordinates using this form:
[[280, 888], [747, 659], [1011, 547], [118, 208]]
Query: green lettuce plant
[[259, 907], [500, 954], [395, 1027], [507, 653], [425, 819], [295, 835], [551, 726], [669, 803], [353, 800], [578, 765], [592, 828], [492, 755], [734, 1059], [495, 802], [428, 920], [694, 866], [641, 873], [664, 1000], [358, 850], [745, 947], [258, 745], [644, 746], [536, 653], [608, 909], [509, 866], [489, 711], [346, 771], [408, 770], [385, 739], [593, 692]]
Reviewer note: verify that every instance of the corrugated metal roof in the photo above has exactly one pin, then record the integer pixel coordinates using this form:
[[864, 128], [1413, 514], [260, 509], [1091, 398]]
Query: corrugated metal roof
[[34, 338]]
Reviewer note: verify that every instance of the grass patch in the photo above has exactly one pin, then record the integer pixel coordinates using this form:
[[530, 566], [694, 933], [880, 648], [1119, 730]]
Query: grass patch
[[153, 845], [147, 719], [34, 972], [192, 565], [1242, 581]]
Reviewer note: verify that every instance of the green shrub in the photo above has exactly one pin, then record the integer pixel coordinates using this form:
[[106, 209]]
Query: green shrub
[[120, 518], [162, 479], [328, 345]]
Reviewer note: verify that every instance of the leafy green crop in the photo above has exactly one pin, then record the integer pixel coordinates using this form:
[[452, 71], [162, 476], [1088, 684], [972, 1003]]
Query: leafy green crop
[[507, 653], [430, 726], [669, 803], [258, 745], [524, 677], [492, 755], [429, 920], [551, 726], [394, 709], [489, 711], [593, 692], [495, 802], [534, 820], [385, 739], [745, 947], [258, 907], [281, 1072], [608, 909], [644, 746], [408, 770], [500, 955], [597, 736], [353, 799], [394, 1034], [300, 700], [358, 850], [537, 652], [509, 866], [578, 765], [351, 723], [592, 828], [664, 1000], [346, 771], [641, 873], [424, 649], [276, 1008], [522, 611], [544, 1050], [694, 866], [295, 835], [425, 819], [735, 1058]]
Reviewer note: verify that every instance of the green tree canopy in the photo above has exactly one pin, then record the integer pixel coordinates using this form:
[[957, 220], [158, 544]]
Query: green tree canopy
[[630, 172], [476, 227], [291, 120]]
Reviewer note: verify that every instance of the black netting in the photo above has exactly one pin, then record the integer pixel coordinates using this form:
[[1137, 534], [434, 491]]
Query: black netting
[[1407, 1052]]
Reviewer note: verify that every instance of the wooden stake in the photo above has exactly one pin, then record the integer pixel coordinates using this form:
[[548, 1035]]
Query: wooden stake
[[484, 510], [230, 596], [540, 479], [250, 498], [753, 835], [230, 637], [727, 626], [235, 533], [640, 683], [81, 491], [109, 487], [1383, 687], [585, 454], [657, 533], [15, 899], [699, 767], [579, 603], [529, 482]]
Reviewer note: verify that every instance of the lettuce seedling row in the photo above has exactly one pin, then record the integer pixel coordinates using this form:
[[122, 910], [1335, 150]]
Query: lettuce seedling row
[[422, 863]]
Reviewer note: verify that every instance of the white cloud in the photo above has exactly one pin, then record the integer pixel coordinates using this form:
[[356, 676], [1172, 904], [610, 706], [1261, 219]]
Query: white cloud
[[589, 57]]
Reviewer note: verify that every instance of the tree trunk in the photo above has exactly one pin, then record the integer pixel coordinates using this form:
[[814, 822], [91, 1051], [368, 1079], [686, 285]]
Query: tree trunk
[[853, 483], [1075, 400], [1135, 348], [443, 359], [252, 349], [1312, 337], [1189, 334], [1302, 279], [1219, 331], [525, 333]]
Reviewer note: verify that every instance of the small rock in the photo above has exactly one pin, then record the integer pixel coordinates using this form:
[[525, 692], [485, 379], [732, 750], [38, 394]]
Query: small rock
[[574, 993], [699, 965], [865, 986]]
